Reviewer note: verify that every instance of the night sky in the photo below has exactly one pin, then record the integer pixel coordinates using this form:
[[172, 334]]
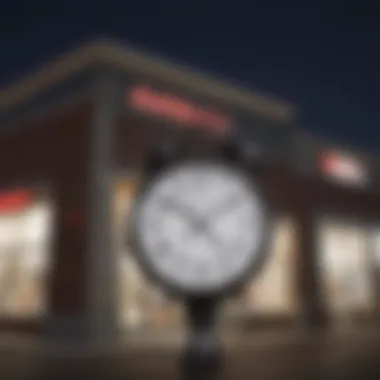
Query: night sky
[[322, 56]]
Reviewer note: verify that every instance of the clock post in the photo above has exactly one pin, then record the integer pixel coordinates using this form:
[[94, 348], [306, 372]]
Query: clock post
[[202, 357], [214, 262]]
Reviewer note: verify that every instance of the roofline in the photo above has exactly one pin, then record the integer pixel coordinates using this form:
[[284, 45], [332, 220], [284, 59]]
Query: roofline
[[129, 59]]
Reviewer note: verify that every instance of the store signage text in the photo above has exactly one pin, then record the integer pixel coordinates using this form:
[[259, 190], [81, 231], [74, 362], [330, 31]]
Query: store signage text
[[343, 167], [14, 201], [148, 100]]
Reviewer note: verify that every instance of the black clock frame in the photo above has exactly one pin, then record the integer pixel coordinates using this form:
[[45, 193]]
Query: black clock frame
[[258, 260]]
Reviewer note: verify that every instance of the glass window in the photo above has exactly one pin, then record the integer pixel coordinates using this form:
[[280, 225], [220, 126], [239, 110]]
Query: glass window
[[345, 267], [273, 291], [375, 248], [25, 236]]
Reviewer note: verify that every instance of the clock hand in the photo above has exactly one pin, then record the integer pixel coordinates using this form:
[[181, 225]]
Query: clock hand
[[224, 207], [219, 211], [215, 213], [185, 211], [198, 225]]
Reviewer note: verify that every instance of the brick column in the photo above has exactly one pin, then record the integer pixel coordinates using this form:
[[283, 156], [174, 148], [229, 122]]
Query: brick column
[[68, 311], [68, 316], [313, 312], [83, 282], [102, 280]]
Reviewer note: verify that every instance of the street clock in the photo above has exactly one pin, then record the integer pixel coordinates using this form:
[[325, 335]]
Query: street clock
[[199, 228]]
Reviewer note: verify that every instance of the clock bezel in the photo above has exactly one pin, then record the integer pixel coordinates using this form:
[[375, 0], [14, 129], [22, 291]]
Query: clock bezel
[[256, 263]]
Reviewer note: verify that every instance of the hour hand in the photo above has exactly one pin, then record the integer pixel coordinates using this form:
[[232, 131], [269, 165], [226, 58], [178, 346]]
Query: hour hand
[[222, 208], [185, 211], [217, 212]]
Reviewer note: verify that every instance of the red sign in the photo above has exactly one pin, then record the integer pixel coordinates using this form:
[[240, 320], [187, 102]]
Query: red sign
[[343, 167], [144, 98], [15, 200]]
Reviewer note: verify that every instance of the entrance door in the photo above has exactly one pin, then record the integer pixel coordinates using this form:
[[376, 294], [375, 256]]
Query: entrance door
[[345, 269]]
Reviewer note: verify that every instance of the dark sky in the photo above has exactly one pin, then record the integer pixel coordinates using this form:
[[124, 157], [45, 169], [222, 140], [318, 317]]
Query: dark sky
[[322, 56]]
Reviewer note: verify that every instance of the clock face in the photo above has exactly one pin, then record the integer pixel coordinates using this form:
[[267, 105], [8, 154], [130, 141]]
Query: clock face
[[200, 226]]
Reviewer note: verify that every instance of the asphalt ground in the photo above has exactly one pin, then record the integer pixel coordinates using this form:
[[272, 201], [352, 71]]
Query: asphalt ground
[[346, 356]]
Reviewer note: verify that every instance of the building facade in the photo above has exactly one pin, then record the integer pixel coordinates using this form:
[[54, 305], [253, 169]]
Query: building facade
[[72, 143]]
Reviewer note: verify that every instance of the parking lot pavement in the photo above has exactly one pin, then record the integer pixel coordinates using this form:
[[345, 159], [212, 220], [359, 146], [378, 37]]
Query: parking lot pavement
[[261, 356]]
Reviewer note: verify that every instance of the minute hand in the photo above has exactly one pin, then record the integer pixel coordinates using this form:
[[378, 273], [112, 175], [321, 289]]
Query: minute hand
[[184, 210], [217, 212], [227, 205]]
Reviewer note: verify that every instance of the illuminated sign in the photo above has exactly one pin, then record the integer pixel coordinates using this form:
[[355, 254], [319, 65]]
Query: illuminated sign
[[145, 99], [13, 201], [343, 167]]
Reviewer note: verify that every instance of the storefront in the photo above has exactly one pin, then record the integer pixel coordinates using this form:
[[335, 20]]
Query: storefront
[[86, 128]]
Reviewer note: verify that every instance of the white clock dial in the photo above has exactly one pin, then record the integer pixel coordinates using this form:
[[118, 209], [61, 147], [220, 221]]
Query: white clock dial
[[200, 225]]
